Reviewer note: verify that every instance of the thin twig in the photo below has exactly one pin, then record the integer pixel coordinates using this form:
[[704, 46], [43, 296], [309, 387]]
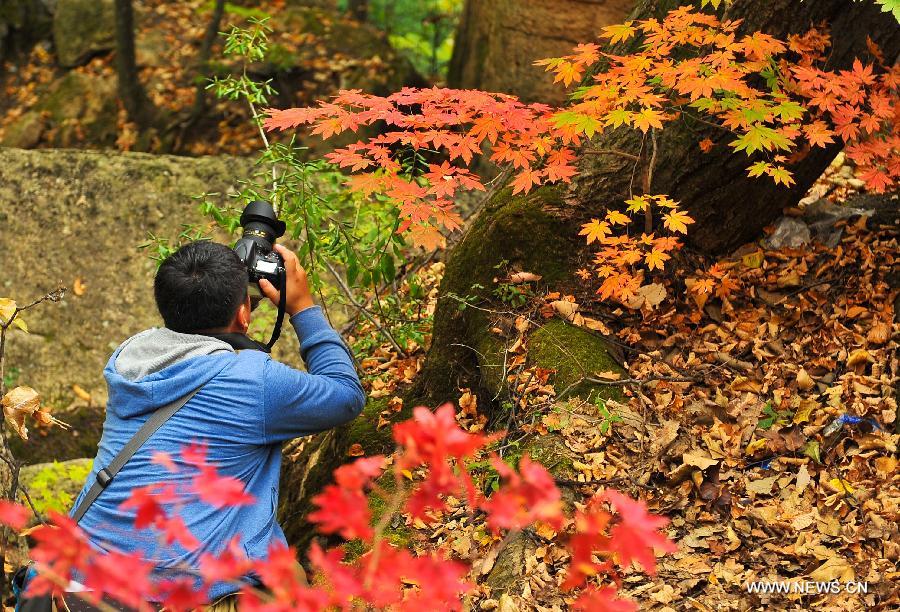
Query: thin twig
[[349, 295], [648, 183], [630, 156], [37, 515], [643, 381]]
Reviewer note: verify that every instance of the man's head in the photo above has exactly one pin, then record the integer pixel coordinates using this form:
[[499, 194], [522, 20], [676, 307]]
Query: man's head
[[203, 287]]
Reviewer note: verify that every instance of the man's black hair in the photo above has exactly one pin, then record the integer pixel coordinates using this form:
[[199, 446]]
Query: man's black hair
[[200, 287]]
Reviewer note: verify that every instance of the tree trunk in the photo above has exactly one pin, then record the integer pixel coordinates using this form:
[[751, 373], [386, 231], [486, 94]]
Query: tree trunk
[[132, 95], [358, 9], [209, 39], [538, 233], [498, 41]]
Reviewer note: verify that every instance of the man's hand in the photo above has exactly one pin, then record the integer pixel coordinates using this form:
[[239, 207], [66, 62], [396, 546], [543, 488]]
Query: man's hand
[[298, 294]]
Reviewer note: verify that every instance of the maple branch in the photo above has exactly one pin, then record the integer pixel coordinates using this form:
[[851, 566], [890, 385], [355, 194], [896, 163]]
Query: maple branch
[[643, 381], [630, 156], [648, 182], [349, 295], [54, 296]]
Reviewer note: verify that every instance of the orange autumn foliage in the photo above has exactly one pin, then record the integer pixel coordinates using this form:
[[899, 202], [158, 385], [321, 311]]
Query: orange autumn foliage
[[774, 97]]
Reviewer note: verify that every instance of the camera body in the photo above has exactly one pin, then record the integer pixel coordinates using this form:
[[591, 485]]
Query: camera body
[[256, 246]]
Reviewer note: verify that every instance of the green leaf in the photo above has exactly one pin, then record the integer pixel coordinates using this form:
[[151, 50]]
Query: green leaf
[[588, 125], [890, 6], [788, 110], [759, 137]]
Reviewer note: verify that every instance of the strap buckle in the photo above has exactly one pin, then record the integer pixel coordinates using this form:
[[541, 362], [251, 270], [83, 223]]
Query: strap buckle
[[104, 477]]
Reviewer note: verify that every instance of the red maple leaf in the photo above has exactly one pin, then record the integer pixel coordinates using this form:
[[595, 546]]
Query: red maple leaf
[[344, 511], [525, 496], [636, 535], [220, 491], [13, 515], [175, 530], [181, 594], [147, 501], [431, 437], [61, 546], [344, 579], [230, 564], [124, 577], [603, 600]]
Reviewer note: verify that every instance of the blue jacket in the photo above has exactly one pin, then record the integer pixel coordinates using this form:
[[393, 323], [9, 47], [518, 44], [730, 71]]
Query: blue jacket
[[249, 404]]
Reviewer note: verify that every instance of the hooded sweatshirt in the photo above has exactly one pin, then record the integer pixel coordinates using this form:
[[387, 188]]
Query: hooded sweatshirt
[[247, 406]]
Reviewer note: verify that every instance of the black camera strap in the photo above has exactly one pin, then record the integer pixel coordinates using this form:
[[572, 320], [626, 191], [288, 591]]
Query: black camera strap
[[282, 304], [106, 475]]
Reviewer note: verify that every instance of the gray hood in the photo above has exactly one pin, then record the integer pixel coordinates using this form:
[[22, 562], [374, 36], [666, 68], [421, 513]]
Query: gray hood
[[158, 348]]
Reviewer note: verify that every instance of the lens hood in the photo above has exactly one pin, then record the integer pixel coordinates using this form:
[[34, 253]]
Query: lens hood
[[260, 211]]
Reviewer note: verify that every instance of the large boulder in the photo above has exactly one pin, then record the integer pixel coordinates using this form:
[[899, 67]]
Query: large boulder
[[83, 28], [499, 40], [80, 215], [77, 109]]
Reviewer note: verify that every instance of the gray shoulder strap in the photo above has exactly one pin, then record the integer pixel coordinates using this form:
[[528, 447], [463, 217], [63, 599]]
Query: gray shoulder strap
[[106, 475]]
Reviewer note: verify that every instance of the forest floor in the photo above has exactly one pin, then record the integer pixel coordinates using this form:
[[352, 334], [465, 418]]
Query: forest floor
[[760, 419], [312, 54]]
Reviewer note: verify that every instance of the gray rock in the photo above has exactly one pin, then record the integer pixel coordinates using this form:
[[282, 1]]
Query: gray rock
[[150, 49], [789, 232], [82, 28], [821, 217], [25, 132], [109, 201], [81, 108]]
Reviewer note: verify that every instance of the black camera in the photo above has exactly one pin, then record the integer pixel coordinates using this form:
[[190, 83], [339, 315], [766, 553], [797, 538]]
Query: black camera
[[255, 248]]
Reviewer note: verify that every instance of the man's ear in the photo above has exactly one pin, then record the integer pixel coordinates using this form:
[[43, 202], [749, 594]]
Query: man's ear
[[242, 317]]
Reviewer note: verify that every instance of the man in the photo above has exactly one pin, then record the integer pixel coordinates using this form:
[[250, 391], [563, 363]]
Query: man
[[246, 406]]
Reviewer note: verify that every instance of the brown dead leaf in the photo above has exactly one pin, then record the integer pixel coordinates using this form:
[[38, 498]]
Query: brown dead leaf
[[835, 568], [879, 334], [742, 383], [17, 404], [356, 450], [649, 296], [763, 486], [886, 465], [804, 381], [567, 310], [468, 402], [395, 404], [858, 357], [698, 459]]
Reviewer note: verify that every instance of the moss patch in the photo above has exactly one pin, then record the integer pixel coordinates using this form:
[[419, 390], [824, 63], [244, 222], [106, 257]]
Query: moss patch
[[519, 230], [574, 353], [54, 486], [396, 533], [550, 451]]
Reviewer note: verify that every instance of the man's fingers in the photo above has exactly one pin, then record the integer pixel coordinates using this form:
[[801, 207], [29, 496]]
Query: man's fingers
[[269, 290], [290, 258]]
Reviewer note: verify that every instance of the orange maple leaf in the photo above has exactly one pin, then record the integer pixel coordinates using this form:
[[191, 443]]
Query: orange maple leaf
[[595, 230]]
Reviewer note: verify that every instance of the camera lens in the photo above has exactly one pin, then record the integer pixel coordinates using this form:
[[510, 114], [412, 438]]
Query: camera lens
[[261, 224]]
